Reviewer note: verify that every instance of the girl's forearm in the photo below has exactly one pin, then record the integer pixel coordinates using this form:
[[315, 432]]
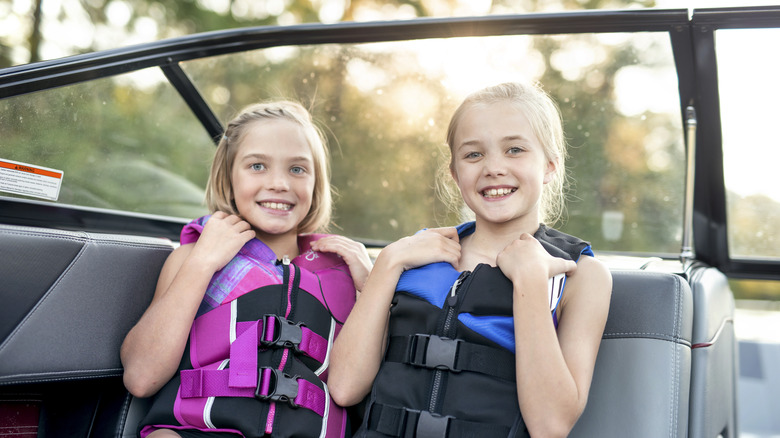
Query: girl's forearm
[[547, 392], [358, 350], [152, 350]]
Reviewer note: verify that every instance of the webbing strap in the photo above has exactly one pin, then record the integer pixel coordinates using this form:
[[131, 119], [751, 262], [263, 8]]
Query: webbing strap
[[271, 331], [403, 422], [271, 385], [430, 351], [276, 331]]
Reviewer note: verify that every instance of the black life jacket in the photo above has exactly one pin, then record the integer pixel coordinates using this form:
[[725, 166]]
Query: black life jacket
[[449, 368], [256, 364]]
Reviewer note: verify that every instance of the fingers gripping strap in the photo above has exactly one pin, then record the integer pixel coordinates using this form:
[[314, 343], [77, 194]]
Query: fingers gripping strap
[[272, 385]]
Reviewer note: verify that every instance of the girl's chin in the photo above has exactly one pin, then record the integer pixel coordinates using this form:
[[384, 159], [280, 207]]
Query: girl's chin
[[276, 231]]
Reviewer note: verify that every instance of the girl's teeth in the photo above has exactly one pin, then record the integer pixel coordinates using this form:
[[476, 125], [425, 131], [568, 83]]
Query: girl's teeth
[[276, 205], [497, 192]]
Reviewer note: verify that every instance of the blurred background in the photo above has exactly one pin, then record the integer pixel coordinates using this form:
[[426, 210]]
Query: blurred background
[[384, 108], [130, 144]]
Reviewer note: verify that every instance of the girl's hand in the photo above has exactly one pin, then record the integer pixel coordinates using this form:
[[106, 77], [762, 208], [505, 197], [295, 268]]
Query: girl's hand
[[526, 255], [428, 246], [222, 237], [354, 254]]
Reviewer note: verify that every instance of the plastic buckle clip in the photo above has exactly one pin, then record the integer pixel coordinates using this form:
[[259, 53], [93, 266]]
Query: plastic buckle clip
[[439, 352], [280, 386], [432, 425], [286, 334]]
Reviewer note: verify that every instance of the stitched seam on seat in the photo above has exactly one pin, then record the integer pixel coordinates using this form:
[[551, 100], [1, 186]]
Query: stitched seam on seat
[[656, 334], [648, 336], [123, 412], [51, 376], [676, 379], [86, 238]]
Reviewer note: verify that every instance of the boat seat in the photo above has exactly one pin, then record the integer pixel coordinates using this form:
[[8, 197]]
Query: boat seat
[[714, 369], [68, 300], [641, 382], [667, 361]]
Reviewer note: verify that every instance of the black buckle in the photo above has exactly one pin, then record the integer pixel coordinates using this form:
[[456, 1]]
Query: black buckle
[[282, 387], [438, 353], [432, 425], [287, 334]]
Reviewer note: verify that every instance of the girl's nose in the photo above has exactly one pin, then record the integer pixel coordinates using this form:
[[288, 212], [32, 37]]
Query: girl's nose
[[279, 181], [494, 165]]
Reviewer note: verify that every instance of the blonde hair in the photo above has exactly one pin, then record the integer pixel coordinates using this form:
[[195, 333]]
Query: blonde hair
[[545, 119], [219, 189]]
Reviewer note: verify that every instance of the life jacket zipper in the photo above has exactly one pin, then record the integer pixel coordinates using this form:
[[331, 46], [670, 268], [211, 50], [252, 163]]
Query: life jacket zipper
[[450, 303], [289, 274]]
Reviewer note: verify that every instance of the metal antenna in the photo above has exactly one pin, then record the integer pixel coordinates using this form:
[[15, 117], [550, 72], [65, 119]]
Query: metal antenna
[[686, 254]]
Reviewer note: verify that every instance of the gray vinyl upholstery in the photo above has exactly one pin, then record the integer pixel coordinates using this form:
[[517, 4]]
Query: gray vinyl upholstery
[[69, 300], [714, 362], [136, 410], [641, 383]]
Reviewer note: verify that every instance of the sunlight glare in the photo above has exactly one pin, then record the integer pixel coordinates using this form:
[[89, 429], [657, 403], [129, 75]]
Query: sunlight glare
[[146, 79], [365, 76], [472, 7], [76, 31], [249, 9], [749, 98], [146, 27], [386, 12], [218, 6], [639, 89], [416, 100], [476, 66], [330, 11], [281, 53], [576, 57], [21, 7], [118, 13]]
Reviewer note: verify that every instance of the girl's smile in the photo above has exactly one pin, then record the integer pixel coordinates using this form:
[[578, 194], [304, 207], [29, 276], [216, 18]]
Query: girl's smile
[[276, 205], [499, 165], [497, 192], [273, 178]]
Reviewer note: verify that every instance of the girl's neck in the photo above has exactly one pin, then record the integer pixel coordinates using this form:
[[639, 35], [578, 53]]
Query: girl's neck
[[282, 245], [488, 240]]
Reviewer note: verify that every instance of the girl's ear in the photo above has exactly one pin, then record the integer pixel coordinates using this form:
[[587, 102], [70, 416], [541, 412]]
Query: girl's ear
[[549, 173]]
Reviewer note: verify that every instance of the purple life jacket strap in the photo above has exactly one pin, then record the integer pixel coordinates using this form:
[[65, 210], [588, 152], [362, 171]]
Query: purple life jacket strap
[[271, 331], [273, 385], [280, 333]]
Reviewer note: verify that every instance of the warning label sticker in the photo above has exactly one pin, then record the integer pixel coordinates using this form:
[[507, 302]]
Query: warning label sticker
[[29, 180]]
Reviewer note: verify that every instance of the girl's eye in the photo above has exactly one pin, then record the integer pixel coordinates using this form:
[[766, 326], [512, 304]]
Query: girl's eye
[[514, 150], [472, 155], [258, 167], [297, 170]]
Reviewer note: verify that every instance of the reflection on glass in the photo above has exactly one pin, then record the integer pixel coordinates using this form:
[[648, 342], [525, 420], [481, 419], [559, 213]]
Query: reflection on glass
[[125, 143], [749, 96], [386, 107]]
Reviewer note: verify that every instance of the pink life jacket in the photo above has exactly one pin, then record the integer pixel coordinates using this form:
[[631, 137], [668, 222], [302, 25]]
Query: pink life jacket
[[256, 363]]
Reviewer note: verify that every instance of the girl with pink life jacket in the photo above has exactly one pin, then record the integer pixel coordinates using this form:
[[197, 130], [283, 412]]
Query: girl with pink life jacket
[[237, 339]]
